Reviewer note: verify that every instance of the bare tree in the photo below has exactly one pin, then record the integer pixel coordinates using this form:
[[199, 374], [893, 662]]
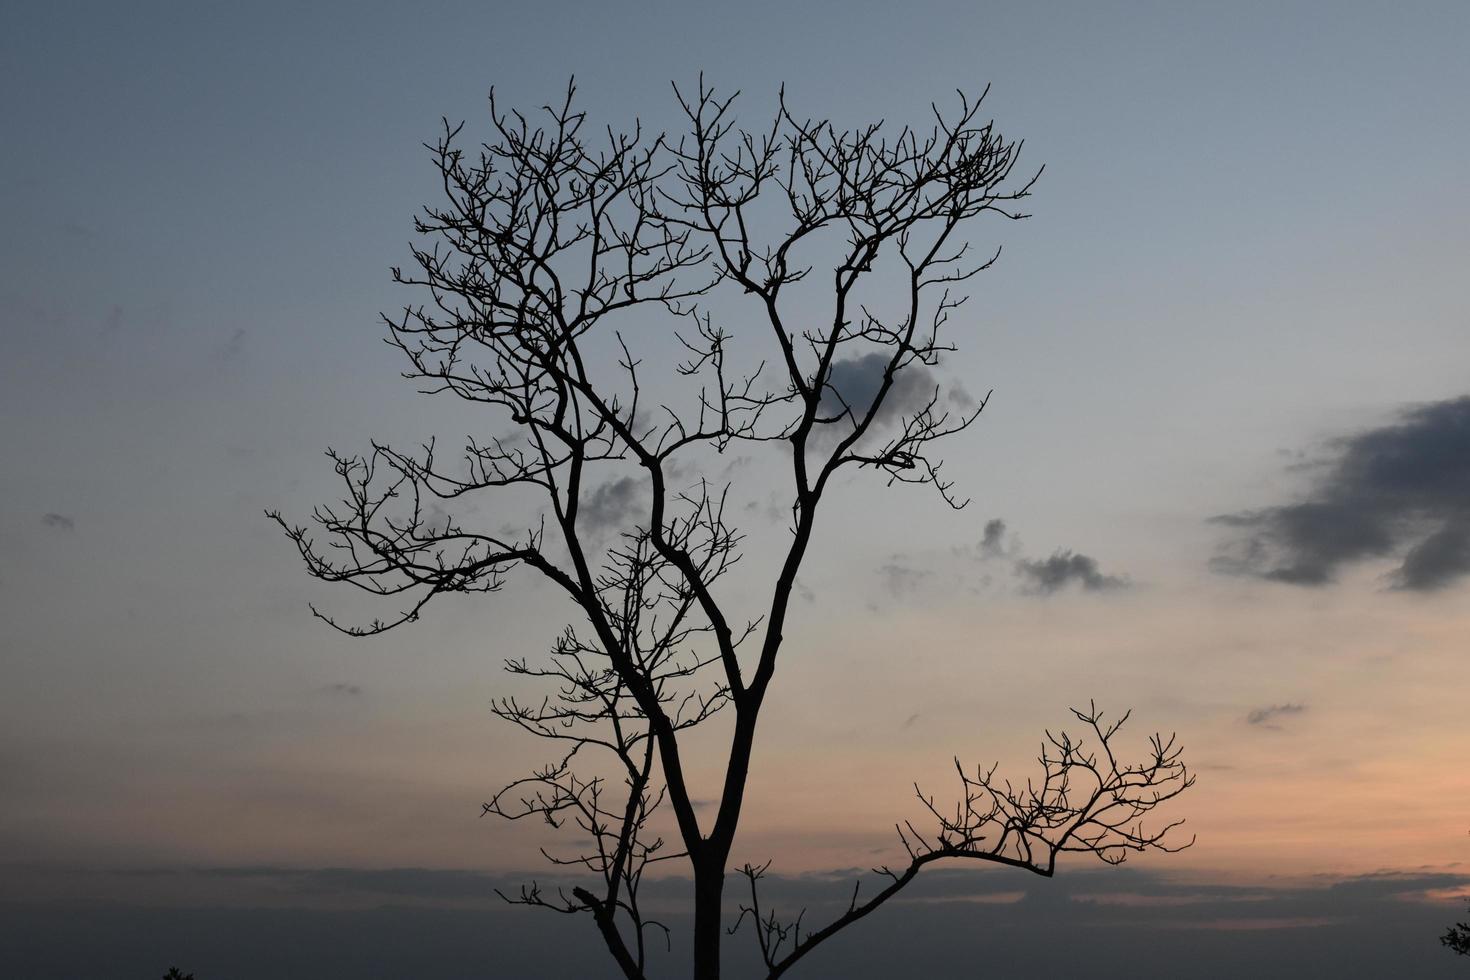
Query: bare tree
[[551, 248]]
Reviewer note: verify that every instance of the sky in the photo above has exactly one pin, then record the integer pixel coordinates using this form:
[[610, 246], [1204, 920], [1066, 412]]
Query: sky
[[1221, 480]]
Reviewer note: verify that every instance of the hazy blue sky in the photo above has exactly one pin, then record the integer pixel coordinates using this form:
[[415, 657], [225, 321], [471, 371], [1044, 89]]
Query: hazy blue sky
[[1241, 293]]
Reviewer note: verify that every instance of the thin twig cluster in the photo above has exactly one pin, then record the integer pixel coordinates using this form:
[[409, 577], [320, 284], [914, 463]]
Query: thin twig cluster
[[1086, 801]]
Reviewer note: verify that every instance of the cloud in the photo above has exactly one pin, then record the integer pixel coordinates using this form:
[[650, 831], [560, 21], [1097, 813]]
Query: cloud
[[774, 509], [611, 504], [349, 689], [900, 580], [853, 383], [1400, 490], [1436, 560], [1063, 568], [1267, 716], [1043, 576], [59, 521], [959, 396], [992, 543], [448, 924]]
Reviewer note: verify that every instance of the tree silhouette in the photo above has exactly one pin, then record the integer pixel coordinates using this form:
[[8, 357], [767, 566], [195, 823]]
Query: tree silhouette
[[554, 251], [1457, 938]]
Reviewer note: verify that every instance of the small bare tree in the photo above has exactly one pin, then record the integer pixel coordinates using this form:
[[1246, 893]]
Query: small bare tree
[[551, 248]]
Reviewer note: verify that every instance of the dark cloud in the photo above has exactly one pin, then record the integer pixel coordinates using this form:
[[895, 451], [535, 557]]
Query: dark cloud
[[1062, 569], [349, 689], [1401, 490], [1436, 560], [854, 382], [59, 521], [992, 543], [348, 923], [1040, 576], [953, 882], [1268, 715], [611, 504]]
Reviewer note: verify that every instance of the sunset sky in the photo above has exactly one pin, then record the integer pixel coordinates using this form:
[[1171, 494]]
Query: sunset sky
[[1223, 480]]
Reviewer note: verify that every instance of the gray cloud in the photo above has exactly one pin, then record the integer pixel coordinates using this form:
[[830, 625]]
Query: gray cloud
[[1436, 560], [1063, 568], [902, 580], [1399, 490], [959, 396], [1042, 576], [1267, 716], [59, 521], [611, 503], [340, 688], [438, 520], [774, 509], [854, 383], [449, 924], [829, 887], [992, 543]]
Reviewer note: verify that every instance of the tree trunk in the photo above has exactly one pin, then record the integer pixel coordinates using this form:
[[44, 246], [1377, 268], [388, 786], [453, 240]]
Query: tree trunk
[[709, 889]]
